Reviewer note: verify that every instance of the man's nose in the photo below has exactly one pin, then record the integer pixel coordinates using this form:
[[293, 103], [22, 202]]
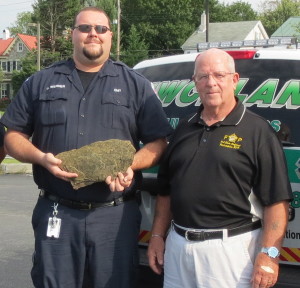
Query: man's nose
[[211, 79], [93, 31]]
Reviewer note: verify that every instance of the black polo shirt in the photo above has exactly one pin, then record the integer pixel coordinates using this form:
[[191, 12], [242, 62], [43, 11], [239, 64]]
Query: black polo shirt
[[54, 108], [221, 176]]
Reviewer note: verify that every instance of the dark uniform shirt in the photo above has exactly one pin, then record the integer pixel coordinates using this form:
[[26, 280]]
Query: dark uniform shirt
[[221, 176], [61, 115], [2, 132]]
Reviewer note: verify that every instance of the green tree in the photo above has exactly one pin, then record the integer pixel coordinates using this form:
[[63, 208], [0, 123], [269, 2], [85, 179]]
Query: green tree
[[55, 17], [237, 11], [28, 68], [21, 24], [164, 24], [275, 13], [137, 49]]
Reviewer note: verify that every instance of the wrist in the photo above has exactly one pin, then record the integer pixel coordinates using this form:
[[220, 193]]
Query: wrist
[[157, 235], [272, 251]]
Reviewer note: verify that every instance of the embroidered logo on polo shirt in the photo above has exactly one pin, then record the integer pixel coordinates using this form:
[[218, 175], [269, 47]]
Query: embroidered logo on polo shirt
[[231, 141]]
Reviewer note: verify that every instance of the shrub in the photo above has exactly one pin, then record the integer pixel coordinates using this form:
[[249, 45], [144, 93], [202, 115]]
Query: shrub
[[4, 102]]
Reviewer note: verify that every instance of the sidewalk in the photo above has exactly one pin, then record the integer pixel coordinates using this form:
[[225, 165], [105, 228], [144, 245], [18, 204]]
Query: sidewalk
[[15, 168], [20, 168]]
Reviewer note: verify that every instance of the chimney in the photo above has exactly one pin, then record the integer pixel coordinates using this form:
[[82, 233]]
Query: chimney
[[202, 27], [6, 34]]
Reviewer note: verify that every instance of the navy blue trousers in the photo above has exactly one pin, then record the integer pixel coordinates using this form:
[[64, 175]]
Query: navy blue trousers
[[96, 247]]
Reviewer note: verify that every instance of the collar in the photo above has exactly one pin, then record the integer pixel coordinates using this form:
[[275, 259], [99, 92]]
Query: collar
[[108, 69], [232, 119]]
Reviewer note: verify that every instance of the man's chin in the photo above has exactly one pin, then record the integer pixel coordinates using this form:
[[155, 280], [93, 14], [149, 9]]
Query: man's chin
[[92, 55]]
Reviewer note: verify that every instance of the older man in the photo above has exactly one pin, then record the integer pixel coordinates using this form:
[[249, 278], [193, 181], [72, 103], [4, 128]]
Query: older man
[[224, 184]]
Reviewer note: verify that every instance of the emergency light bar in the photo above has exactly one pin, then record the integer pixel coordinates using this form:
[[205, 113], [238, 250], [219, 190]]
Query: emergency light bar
[[247, 43]]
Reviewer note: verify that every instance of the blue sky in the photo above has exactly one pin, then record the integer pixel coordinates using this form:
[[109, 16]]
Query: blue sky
[[9, 10]]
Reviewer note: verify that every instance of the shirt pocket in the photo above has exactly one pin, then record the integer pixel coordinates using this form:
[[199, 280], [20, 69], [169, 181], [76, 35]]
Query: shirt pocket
[[53, 105], [116, 111]]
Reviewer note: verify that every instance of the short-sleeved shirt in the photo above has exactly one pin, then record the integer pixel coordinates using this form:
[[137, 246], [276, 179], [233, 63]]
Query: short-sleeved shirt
[[221, 176], [61, 115], [2, 132]]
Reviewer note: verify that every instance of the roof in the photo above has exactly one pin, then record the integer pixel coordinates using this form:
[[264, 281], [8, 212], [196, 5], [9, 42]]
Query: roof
[[288, 28], [223, 31], [4, 44], [29, 42]]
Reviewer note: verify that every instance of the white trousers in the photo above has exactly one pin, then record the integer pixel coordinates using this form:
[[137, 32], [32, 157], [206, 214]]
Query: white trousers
[[220, 263]]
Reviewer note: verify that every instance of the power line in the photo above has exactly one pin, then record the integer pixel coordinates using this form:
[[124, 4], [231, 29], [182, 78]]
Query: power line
[[14, 3]]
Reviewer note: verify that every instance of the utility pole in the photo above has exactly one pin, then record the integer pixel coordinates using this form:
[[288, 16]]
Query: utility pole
[[38, 26], [207, 20], [118, 30]]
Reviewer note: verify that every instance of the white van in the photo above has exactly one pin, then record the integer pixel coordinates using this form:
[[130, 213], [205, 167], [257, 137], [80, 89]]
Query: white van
[[270, 86]]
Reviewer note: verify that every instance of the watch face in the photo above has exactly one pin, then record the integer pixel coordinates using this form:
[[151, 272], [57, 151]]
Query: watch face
[[273, 252]]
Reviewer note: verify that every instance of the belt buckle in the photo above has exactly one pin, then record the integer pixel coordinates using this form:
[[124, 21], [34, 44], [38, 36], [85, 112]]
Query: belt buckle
[[200, 235], [88, 206]]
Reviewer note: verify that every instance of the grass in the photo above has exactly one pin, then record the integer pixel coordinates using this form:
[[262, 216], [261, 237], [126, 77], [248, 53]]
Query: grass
[[10, 161]]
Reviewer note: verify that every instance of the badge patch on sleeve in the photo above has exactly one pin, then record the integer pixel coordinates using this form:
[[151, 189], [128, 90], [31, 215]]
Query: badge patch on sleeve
[[231, 141]]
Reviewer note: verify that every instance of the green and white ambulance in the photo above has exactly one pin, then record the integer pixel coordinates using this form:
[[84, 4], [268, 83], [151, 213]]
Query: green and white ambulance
[[269, 85]]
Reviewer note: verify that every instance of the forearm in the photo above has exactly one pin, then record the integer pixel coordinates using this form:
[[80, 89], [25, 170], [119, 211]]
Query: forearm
[[161, 224], [274, 224], [162, 217], [18, 146], [149, 155], [266, 268]]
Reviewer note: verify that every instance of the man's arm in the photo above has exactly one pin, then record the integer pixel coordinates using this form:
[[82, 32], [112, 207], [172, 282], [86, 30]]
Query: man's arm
[[146, 157], [274, 227], [18, 146], [161, 224]]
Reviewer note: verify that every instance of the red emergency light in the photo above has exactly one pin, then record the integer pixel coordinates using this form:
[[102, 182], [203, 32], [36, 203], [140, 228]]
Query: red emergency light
[[241, 54]]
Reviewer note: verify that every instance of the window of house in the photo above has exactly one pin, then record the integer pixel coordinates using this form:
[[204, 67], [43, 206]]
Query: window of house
[[4, 90], [4, 66], [18, 65], [20, 47]]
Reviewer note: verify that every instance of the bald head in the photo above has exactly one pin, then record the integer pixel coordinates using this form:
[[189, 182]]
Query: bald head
[[216, 55]]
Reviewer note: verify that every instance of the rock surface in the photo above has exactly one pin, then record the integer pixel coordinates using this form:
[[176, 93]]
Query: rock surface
[[94, 162]]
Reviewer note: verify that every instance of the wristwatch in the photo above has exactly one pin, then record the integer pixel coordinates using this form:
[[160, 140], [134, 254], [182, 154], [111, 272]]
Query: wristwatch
[[272, 252]]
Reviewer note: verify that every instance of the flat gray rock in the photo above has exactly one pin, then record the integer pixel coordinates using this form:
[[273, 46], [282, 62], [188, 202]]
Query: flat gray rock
[[95, 162]]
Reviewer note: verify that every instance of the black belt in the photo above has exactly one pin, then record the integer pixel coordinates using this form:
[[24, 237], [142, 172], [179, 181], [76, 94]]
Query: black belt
[[194, 235], [82, 205]]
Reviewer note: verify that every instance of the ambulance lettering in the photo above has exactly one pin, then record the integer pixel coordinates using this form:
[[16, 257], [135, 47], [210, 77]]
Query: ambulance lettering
[[183, 93]]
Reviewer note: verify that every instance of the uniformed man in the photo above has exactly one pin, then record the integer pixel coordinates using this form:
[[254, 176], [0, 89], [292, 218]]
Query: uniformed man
[[91, 231], [223, 176]]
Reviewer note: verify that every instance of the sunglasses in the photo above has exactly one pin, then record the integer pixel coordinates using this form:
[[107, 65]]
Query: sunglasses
[[86, 28]]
